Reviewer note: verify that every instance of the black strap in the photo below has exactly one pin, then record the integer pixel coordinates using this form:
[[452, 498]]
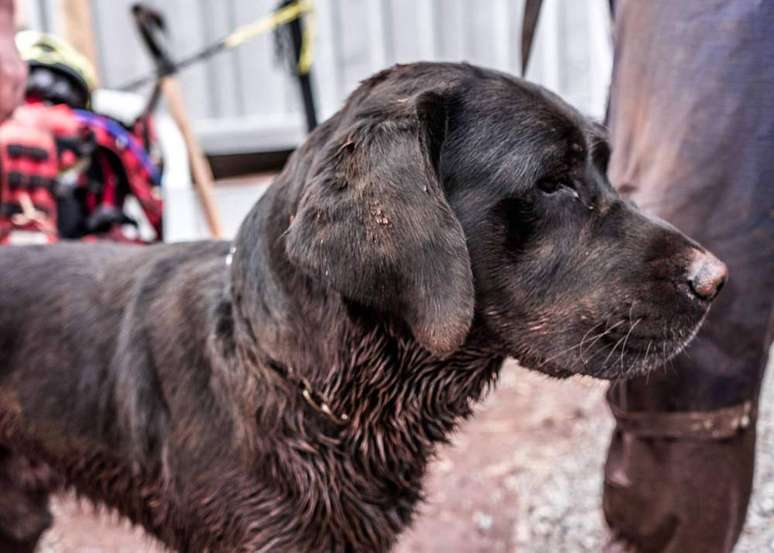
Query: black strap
[[717, 424], [528, 28], [9, 209]]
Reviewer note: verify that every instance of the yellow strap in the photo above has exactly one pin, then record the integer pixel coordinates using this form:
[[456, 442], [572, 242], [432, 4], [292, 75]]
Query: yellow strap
[[280, 17], [306, 57]]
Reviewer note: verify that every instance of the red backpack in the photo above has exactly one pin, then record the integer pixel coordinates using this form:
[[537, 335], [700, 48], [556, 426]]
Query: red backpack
[[66, 174], [37, 146]]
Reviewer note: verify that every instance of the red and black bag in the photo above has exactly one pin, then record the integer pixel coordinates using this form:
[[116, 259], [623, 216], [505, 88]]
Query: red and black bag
[[67, 174], [37, 146]]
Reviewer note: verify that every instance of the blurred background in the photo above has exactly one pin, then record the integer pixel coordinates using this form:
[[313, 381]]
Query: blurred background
[[245, 105]]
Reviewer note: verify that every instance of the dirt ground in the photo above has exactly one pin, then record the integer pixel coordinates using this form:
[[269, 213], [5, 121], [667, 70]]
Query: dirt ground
[[523, 476]]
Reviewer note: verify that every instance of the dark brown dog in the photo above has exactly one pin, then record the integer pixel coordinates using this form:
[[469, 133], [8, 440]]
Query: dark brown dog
[[288, 396]]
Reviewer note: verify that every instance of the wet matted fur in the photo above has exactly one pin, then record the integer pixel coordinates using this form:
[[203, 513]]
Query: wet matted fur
[[446, 218]]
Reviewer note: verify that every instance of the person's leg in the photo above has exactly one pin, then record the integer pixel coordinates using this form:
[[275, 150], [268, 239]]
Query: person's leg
[[692, 124]]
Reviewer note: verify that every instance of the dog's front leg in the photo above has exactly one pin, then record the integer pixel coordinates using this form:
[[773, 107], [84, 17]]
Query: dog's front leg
[[24, 512]]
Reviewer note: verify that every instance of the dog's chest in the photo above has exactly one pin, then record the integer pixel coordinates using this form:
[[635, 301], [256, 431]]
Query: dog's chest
[[314, 498]]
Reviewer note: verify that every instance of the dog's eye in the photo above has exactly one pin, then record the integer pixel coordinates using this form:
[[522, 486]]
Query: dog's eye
[[552, 185]]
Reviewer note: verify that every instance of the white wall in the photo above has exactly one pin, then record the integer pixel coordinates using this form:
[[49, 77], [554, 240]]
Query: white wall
[[243, 100]]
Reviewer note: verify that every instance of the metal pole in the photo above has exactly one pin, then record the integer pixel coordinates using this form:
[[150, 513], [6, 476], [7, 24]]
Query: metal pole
[[296, 30]]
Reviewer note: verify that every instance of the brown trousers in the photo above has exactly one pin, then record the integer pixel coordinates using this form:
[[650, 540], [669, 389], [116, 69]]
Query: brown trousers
[[692, 124]]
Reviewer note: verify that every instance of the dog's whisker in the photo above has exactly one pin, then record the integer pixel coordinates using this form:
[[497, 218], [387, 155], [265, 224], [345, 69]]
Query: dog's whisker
[[623, 348], [647, 351], [602, 335], [612, 351], [589, 331], [579, 344]]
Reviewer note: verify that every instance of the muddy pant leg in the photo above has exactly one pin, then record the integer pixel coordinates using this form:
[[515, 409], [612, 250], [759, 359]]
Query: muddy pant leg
[[692, 124]]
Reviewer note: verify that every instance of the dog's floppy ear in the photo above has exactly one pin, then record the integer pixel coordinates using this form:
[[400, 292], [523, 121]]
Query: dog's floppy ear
[[374, 225]]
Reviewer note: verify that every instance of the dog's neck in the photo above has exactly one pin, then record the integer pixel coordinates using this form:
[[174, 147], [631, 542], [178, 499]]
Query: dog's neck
[[368, 370], [400, 401]]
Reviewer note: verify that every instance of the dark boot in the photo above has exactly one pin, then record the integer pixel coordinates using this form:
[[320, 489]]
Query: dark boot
[[680, 493]]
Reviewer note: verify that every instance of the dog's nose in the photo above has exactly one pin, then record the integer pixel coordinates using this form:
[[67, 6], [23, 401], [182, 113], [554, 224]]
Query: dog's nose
[[707, 276]]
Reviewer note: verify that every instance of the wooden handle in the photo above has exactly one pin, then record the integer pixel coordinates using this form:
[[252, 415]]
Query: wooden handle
[[200, 167], [77, 28]]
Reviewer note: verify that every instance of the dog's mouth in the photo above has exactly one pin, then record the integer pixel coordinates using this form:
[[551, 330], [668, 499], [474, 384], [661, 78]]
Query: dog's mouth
[[622, 348], [639, 352]]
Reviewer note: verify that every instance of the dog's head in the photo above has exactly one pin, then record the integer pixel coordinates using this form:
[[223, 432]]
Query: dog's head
[[449, 196]]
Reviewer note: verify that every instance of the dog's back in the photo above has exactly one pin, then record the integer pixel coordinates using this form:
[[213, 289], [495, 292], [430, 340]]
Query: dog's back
[[98, 345], [61, 295], [56, 303]]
